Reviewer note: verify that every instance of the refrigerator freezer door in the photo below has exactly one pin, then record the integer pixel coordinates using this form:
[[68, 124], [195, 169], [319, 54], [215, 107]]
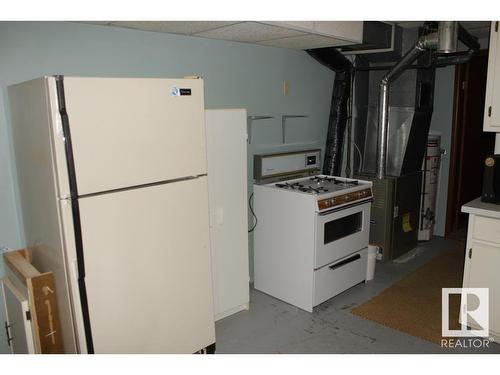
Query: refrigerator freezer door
[[134, 131], [147, 265]]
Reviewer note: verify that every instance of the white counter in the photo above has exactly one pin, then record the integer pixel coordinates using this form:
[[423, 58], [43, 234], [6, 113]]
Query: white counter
[[477, 207]]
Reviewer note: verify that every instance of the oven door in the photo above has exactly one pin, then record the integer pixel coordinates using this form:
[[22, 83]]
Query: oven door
[[341, 232]]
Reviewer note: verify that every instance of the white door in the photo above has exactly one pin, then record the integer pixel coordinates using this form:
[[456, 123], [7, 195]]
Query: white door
[[147, 265], [492, 100], [133, 131], [227, 187], [18, 326]]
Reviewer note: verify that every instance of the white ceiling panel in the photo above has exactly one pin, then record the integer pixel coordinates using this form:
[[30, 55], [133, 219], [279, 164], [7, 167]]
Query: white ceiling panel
[[175, 27], [307, 41], [250, 32], [266, 34]]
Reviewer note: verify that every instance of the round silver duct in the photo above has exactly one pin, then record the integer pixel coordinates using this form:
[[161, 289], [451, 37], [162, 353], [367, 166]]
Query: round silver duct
[[448, 37]]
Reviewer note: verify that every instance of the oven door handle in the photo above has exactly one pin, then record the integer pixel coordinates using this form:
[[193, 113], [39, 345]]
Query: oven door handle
[[337, 209], [345, 261]]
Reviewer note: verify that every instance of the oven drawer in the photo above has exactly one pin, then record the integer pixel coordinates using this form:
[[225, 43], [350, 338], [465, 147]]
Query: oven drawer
[[338, 276], [341, 233]]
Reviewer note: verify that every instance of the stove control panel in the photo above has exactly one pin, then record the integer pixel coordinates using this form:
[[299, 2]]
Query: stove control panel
[[354, 196], [286, 165]]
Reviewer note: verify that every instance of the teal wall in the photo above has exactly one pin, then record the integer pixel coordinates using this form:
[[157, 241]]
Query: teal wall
[[235, 74]]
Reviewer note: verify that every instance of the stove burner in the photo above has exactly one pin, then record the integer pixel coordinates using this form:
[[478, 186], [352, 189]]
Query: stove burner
[[336, 181], [321, 179], [345, 182], [293, 186], [316, 190], [319, 184]]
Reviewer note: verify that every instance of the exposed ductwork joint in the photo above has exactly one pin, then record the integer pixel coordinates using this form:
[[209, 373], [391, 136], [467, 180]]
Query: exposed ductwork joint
[[424, 43], [466, 38], [339, 109]]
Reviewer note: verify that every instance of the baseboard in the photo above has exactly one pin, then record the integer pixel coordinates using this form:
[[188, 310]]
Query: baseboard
[[492, 334], [234, 310]]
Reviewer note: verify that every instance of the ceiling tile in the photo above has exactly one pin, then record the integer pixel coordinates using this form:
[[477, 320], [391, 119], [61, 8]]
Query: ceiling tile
[[249, 32], [305, 42], [175, 27]]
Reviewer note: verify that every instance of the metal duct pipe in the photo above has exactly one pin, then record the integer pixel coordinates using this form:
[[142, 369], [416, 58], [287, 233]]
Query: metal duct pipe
[[339, 115], [448, 37], [439, 62], [466, 38], [426, 42], [454, 59]]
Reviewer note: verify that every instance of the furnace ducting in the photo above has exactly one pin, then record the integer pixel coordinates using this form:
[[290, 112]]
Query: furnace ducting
[[342, 67]]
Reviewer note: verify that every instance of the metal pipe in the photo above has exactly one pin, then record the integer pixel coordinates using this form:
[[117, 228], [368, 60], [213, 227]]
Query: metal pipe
[[349, 125], [439, 62], [455, 59], [424, 43], [466, 38], [448, 36]]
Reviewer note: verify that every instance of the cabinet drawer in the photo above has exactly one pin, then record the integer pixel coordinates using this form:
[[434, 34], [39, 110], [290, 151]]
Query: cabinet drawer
[[338, 276], [486, 229]]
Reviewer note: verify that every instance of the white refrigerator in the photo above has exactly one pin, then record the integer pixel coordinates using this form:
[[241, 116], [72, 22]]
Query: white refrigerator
[[112, 177], [226, 132]]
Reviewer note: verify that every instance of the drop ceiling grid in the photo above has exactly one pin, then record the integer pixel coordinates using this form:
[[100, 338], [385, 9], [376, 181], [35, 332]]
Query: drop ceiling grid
[[174, 27], [305, 41], [250, 32]]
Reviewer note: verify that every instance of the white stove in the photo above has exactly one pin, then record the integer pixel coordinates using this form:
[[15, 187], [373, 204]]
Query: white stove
[[330, 191], [311, 239], [319, 184]]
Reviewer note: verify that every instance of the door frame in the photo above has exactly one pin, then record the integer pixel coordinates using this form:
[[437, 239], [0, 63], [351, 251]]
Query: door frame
[[460, 96]]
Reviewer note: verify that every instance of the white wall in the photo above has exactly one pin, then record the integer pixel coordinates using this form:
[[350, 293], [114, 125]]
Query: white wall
[[442, 121], [442, 118], [236, 75]]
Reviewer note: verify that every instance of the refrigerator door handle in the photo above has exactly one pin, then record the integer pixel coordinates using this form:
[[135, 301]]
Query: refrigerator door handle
[[74, 270], [59, 126]]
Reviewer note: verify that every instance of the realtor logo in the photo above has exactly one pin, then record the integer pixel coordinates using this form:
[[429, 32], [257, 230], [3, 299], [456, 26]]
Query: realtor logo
[[474, 312]]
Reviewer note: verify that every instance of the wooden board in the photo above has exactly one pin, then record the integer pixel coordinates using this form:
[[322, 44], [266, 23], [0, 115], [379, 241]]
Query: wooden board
[[45, 314], [19, 262], [43, 307]]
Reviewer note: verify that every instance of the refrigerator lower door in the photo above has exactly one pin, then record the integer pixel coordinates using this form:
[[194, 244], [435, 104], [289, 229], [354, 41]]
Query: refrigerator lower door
[[147, 265]]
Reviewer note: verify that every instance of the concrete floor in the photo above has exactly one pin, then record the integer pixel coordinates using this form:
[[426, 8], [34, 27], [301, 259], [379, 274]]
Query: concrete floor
[[273, 326]]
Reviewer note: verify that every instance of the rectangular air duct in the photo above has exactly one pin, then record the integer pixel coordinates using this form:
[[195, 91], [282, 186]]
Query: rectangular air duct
[[382, 41]]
